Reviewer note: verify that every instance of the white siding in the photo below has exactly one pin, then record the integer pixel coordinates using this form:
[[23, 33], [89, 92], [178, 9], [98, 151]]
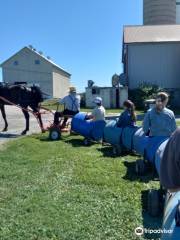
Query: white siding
[[23, 67], [61, 83], [155, 64]]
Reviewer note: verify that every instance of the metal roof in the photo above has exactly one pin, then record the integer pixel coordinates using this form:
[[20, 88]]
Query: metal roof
[[151, 34], [41, 56]]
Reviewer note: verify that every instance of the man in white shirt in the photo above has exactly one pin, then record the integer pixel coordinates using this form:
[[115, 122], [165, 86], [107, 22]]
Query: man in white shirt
[[98, 113], [71, 104]]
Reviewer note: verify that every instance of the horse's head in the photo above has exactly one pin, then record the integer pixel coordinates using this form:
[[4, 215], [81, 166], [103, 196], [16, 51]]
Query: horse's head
[[37, 94]]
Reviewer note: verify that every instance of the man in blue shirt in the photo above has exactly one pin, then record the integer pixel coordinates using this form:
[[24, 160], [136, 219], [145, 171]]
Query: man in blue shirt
[[71, 104], [160, 121]]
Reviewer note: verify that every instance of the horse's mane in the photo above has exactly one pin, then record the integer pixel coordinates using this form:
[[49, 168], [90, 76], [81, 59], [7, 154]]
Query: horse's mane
[[37, 93]]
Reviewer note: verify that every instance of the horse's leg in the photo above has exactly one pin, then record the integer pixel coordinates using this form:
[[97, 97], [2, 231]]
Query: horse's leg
[[4, 117], [26, 115], [36, 111]]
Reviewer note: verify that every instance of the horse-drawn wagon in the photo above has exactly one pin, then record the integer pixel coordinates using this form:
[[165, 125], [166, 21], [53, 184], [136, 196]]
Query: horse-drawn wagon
[[28, 99]]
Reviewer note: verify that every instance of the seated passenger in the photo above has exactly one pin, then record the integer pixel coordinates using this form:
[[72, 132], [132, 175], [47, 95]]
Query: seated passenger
[[160, 121], [128, 117], [170, 164], [98, 112], [71, 104]]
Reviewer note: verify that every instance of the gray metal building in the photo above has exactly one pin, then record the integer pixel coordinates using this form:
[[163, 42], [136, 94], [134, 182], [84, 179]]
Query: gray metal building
[[156, 12], [151, 54], [32, 67]]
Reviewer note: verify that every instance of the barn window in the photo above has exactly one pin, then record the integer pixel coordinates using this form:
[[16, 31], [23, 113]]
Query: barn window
[[37, 61], [95, 91], [16, 63]]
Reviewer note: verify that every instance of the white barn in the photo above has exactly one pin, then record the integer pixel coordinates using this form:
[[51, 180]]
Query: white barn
[[30, 66], [151, 54]]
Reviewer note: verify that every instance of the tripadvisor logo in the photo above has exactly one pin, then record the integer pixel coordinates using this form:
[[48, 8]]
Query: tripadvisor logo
[[139, 231]]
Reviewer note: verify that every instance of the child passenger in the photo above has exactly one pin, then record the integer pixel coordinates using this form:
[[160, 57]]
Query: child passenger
[[128, 117], [98, 113]]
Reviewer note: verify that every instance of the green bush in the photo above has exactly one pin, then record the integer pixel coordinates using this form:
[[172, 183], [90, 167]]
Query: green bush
[[142, 93]]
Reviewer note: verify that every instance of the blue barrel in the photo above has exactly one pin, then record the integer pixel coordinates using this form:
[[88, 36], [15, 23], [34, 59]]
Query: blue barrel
[[140, 141], [169, 219], [127, 137], [152, 147], [80, 125], [89, 129], [112, 134], [98, 130], [159, 155]]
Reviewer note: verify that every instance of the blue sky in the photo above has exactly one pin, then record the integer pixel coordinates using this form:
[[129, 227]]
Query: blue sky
[[82, 36]]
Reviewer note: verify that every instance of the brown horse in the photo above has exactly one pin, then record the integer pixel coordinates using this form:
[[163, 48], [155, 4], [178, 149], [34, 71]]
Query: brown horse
[[24, 97]]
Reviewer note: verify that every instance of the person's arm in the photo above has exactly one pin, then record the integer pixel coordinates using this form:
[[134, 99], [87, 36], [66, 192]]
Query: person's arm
[[79, 103], [121, 119], [92, 114], [146, 123], [174, 126], [104, 113], [61, 100]]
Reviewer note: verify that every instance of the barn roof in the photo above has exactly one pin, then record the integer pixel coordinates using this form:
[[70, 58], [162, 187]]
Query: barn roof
[[151, 34], [41, 56]]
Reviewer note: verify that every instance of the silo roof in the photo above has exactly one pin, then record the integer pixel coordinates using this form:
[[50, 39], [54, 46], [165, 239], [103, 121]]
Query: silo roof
[[150, 34]]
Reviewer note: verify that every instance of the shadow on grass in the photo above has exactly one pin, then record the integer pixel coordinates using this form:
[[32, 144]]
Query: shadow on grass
[[79, 142], [74, 142], [131, 174], [9, 135], [47, 139], [107, 151], [151, 223]]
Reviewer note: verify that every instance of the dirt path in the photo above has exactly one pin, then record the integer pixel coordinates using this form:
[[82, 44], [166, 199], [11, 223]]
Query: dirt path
[[16, 123]]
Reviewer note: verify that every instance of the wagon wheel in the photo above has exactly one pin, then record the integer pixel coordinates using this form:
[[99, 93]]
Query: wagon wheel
[[54, 134], [154, 203]]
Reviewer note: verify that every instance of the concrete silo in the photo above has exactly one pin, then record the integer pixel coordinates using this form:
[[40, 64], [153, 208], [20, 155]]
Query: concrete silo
[[178, 11], [157, 12]]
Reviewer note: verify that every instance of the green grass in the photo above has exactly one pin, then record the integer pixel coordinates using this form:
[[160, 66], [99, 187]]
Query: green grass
[[178, 123], [63, 190], [108, 111], [54, 106]]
